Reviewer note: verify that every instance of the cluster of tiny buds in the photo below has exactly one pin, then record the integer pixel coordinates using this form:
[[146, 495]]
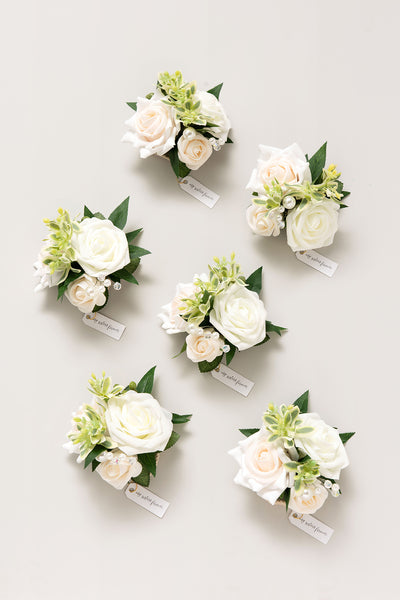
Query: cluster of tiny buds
[[332, 487], [107, 283]]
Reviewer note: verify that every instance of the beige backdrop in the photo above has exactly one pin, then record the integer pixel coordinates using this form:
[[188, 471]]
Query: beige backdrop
[[294, 71]]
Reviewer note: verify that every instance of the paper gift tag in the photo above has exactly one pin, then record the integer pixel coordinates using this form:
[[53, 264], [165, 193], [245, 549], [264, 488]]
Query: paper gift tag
[[233, 380], [104, 325], [317, 261], [312, 526], [199, 191], [142, 496]]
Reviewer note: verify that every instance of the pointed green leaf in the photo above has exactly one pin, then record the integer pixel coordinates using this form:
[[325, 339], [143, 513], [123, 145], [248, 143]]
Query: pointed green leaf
[[145, 385], [317, 163], [229, 141], [215, 91], [254, 281], [181, 351], [275, 328], [248, 432], [285, 496], [180, 418], [87, 212], [143, 478], [179, 168], [230, 354], [126, 275], [137, 252], [346, 436], [172, 440], [119, 216], [132, 234], [63, 286], [206, 367], [302, 402], [148, 461], [132, 105], [93, 454]]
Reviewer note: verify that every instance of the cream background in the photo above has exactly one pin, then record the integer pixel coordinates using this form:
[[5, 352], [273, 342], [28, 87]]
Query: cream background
[[293, 71]]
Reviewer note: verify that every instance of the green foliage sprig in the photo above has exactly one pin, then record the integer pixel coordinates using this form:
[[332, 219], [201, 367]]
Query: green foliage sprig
[[283, 423], [60, 253]]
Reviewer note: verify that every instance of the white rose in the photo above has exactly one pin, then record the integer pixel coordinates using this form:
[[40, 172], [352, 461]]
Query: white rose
[[311, 499], [42, 271], [153, 128], [193, 149], [172, 322], [213, 110], [85, 293], [313, 226], [286, 166], [262, 221], [262, 466], [116, 468], [240, 316], [206, 345], [323, 445], [100, 247], [137, 423]]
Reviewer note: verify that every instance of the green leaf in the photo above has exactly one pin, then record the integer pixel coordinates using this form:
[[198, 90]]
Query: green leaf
[[137, 252], [285, 496], [119, 216], [248, 432], [302, 402], [145, 385], [254, 281], [180, 418], [172, 440], [181, 351], [343, 205], [267, 337], [95, 464], [132, 234], [99, 215], [274, 328], [63, 286], [87, 212], [345, 194], [143, 478], [206, 367], [179, 168], [97, 308], [132, 105], [148, 460], [229, 141], [346, 436], [93, 454], [230, 354], [317, 163], [126, 275], [215, 91]]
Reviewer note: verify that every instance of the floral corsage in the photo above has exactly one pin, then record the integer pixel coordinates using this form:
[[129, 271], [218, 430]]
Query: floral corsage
[[122, 432], [295, 457], [85, 257], [290, 190], [220, 313], [179, 122]]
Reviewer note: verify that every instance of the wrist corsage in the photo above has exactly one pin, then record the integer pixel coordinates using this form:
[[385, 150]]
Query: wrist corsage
[[295, 458], [220, 313], [85, 257], [122, 432], [290, 190], [179, 122]]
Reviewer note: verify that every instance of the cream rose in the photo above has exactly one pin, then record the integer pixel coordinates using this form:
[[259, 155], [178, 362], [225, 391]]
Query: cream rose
[[213, 110], [170, 317], [100, 247], [310, 500], [137, 423], [286, 166], [323, 445], [262, 466], [153, 128], [85, 293], [206, 345], [116, 468], [193, 149], [313, 226], [262, 221], [239, 315]]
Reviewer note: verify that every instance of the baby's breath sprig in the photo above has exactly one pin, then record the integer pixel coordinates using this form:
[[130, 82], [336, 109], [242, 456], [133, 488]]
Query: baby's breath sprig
[[59, 251]]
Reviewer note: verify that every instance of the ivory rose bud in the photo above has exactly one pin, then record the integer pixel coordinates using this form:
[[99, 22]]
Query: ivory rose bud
[[312, 498], [116, 468], [206, 345], [312, 226], [323, 445], [137, 423], [193, 149], [239, 315], [172, 322], [100, 247], [286, 166], [85, 293], [262, 466], [153, 128], [214, 112], [262, 221]]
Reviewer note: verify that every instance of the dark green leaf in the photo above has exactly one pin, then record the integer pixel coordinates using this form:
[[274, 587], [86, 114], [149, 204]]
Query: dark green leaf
[[343, 206], [93, 454], [95, 464], [254, 281], [181, 350], [63, 286], [180, 418], [317, 163], [145, 385], [285, 496], [132, 234], [248, 432], [230, 354], [206, 367], [132, 105], [179, 168], [215, 91], [275, 328], [346, 436], [302, 402], [99, 215], [267, 337], [345, 194], [172, 440], [97, 308], [126, 275], [87, 212], [119, 216], [148, 461], [143, 478], [229, 141], [137, 252]]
